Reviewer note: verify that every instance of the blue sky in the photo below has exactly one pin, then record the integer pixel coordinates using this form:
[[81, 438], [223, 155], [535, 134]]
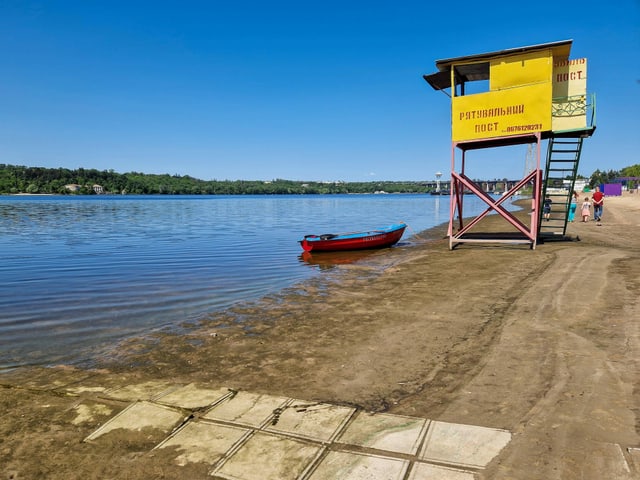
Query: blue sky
[[319, 91]]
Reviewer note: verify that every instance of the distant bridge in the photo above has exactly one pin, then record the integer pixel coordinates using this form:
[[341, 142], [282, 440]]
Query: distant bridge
[[488, 186]]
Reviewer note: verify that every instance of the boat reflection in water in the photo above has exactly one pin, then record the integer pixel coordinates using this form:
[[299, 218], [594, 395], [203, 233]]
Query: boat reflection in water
[[326, 260]]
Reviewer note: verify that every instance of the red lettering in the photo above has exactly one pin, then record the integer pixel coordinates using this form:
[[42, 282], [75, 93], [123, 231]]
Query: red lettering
[[565, 63], [565, 77], [486, 127]]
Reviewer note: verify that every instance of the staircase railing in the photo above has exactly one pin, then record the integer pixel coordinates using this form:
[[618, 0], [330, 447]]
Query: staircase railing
[[576, 105], [563, 156]]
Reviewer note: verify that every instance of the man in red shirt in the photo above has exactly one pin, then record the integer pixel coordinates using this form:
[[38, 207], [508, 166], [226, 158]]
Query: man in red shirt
[[598, 202]]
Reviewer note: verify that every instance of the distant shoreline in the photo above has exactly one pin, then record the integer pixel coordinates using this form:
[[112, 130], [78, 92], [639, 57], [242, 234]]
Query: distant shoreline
[[32, 194]]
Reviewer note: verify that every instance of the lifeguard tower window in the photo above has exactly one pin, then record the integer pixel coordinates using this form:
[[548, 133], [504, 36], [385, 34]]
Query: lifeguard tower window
[[480, 86], [472, 78]]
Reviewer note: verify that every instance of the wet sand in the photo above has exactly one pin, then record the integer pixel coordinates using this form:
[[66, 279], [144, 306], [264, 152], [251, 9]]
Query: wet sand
[[544, 343]]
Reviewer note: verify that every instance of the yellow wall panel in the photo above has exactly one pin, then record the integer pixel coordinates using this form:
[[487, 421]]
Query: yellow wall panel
[[514, 111], [569, 109], [518, 70], [570, 77]]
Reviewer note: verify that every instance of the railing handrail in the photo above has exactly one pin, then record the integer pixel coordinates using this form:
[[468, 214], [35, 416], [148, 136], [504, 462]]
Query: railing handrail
[[576, 105]]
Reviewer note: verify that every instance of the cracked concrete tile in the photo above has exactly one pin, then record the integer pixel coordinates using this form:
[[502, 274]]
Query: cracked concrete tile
[[89, 412], [394, 433], [79, 390], [424, 471], [358, 466], [465, 445], [141, 415], [204, 442], [269, 457], [608, 457], [141, 391], [246, 408], [634, 453], [192, 397], [316, 421]]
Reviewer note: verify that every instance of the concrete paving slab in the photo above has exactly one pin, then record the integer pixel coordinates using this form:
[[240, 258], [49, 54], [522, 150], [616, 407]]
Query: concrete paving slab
[[357, 466], [192, 396], [269, 457], [316, 421], [424, 471], [608, 457], [244, 408], [634, 454], [80, 389], [89, 412], [141, 391], [141, 415], [204, 442], [394, 433], [465, 445]]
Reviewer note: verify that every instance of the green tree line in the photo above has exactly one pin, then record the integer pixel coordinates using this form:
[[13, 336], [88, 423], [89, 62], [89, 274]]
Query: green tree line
[[21, 179], [599, 177]]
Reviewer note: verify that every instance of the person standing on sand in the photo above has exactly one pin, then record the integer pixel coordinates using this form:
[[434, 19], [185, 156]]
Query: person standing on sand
[[546, 208], [586, 208], [573, 206], [598, 203]]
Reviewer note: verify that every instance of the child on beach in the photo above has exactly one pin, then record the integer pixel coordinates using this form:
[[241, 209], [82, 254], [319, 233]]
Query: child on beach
[[586, 208], [546, 208], [572, 206]]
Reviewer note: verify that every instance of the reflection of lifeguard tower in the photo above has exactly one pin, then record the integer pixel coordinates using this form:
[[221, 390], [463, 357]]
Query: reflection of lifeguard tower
[[523, 96]]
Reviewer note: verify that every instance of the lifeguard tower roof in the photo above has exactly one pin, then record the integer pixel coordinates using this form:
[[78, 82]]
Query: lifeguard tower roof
[[473, 68]]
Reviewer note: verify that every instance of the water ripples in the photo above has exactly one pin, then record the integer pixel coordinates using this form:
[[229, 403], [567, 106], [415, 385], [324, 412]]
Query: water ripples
[[76, 272]]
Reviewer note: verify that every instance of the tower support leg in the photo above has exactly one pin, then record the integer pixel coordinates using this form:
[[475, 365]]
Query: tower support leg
[[459, 230]]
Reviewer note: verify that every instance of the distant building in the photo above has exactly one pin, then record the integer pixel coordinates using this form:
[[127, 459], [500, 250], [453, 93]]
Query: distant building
[[628, 183], [578, 186], [75, 188]]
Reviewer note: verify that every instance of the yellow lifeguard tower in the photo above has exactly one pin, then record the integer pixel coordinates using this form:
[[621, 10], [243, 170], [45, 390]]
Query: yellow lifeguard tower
[[523, 96]]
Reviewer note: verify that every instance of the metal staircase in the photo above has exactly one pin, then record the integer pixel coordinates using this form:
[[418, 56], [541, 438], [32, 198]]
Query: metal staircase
[[563, 155]]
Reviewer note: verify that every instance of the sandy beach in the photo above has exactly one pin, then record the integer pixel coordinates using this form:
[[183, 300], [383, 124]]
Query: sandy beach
[[543, 343]]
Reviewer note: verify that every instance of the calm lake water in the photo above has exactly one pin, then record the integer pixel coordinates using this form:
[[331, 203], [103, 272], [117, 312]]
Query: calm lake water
[[77, 273]]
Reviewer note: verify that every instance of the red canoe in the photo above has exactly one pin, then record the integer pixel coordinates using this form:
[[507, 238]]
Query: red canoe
[[380, 238]]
